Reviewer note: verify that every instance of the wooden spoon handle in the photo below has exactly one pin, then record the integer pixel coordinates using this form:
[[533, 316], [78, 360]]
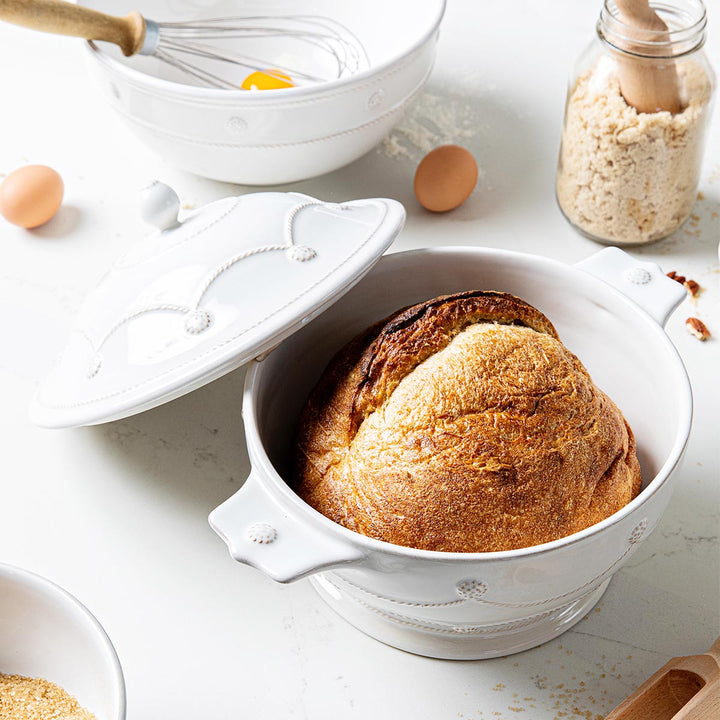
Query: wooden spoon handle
[[648, 84], [641, 15], [682, 687], [64, 18], [704, 706], [714, 651]]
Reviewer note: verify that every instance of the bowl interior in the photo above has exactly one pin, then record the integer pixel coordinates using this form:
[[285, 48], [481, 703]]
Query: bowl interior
[[46, 633], [627, 354], [334, 40]]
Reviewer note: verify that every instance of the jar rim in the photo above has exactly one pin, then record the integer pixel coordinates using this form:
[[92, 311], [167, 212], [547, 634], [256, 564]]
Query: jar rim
[[686, 21]]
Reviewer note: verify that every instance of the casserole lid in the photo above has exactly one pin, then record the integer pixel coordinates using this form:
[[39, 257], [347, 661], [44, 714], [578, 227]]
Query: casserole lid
[[197, 298]]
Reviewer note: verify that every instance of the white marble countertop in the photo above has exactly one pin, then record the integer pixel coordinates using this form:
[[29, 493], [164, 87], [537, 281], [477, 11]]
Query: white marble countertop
[[117, 514]]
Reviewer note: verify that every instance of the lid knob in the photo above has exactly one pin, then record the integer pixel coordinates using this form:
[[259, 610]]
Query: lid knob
[[159, 206]]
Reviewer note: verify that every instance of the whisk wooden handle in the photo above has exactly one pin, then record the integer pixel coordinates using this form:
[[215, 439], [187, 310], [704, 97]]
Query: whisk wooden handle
[[64, 18], [648, 84]]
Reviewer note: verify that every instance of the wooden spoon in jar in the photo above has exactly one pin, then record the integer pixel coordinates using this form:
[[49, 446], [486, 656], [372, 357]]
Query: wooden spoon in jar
[[648, 84], [686, 688]]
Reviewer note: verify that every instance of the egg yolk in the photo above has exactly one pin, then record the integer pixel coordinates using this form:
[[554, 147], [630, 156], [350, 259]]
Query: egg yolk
[[267, 80]]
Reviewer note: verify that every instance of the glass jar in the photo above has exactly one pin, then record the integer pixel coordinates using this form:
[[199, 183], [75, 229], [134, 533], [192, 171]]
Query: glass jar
[[633, 136]]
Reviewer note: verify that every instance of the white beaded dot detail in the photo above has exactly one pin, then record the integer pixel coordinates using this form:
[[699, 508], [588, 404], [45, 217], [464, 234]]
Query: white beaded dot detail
[[197, 321], [471, 589], [376, 99], [638, 532], [236, 125], [638, 276], [301, 253], [262, 533]]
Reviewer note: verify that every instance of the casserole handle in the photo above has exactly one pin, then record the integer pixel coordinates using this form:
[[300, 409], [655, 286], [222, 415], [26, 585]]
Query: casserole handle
[[259, 533], [643, 282]]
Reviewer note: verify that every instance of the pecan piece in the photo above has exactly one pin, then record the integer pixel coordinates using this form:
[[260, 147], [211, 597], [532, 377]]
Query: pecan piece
[[678, 278], [697, 327], [692, 287]]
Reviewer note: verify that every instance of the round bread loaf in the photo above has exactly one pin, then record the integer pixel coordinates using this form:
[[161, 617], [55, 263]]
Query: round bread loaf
[[463, 424]]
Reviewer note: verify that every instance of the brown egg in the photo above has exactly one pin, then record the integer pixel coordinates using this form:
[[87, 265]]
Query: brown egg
[[31, 195], [445, 178]]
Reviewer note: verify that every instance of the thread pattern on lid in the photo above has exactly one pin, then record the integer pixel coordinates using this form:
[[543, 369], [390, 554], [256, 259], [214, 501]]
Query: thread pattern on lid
[[95, 365], [198, 319]]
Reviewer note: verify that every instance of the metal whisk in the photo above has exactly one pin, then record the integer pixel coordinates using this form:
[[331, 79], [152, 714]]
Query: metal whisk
[[195, 47]]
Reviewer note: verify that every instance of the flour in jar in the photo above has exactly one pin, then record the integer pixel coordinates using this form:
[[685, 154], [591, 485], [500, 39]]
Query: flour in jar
[[627, 177]]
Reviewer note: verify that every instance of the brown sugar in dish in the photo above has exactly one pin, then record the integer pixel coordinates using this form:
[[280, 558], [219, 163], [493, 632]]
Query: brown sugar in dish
[[24, 698], [463, 424], [628, 177]]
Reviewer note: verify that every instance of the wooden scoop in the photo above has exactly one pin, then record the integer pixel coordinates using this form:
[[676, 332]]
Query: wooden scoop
[[686, 688], [648, 84]]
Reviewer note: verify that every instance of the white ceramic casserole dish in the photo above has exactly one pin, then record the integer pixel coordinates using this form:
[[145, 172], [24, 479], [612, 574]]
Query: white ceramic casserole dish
[[479, 605], [273, 136], [286, 279]]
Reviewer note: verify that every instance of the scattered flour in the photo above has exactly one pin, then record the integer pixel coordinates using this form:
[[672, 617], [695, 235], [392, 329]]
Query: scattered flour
[[432, 120]]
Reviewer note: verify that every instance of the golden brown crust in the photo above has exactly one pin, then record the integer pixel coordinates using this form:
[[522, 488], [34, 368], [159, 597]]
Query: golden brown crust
[[463, 424]]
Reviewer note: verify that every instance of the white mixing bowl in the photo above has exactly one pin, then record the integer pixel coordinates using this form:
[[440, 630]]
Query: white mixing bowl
[[46, 633], [273, 136], [474, 605]]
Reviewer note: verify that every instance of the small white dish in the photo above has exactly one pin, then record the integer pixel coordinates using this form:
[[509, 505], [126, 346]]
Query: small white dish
[[286, 279], [47, 633]]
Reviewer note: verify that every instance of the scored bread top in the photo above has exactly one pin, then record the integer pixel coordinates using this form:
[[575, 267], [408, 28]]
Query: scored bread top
[[463, 424]]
